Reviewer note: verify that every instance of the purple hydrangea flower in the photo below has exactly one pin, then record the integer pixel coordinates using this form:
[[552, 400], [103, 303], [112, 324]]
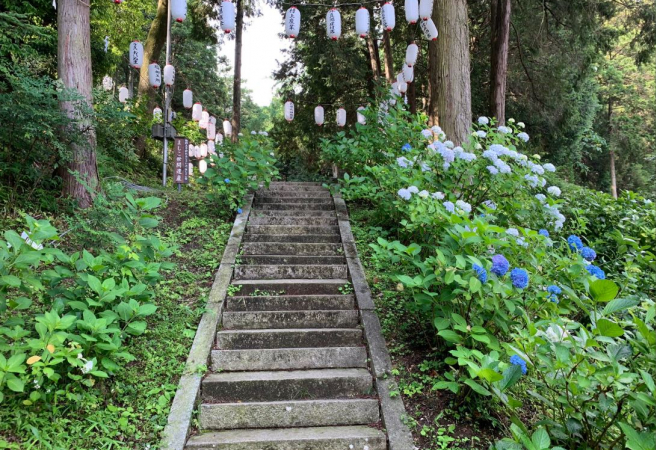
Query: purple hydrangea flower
[[500, 265]]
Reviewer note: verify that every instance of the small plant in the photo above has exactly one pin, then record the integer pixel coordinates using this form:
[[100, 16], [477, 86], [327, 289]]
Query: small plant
[[234, 289], [346, 289]]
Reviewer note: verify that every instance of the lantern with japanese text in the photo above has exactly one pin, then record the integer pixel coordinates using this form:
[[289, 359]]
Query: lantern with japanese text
[[227, 128], [123, 94], [411, 11], [341, 117], [429, 29], [178, 10], [227, 16], [333, 24], [292, 22], [202, 166], [362, 120], [408, 74], [169, 75], [411, 54], [362, 22], [136, 54], [107, 83], [387, 16], [319, 115], [425, 9], [211, 130], [154, 75], [289, 111]]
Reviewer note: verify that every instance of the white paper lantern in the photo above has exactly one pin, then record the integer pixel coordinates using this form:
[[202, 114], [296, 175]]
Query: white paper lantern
[[211, 130], [191, 169], [172, 115], [178, 10], [227, 16], [107, 83], [429, 29], [219, 138], [292, 22], [197, 112], [411, 54], [395, 89], [408, 74], [319, 115], [333, 24], [187, 98], [388, 17], [362, 22], [192, 150], [411, 11], [204, 119], [289, 110], [154, 75], [136, 54], [362, 120], [203, 150], [157, 112], [403, 87], [425, 9], [202, 166], [169, 75], [341, 117], [400, 78], [211, 147], [227, 128], [213, 120], [123, 94]]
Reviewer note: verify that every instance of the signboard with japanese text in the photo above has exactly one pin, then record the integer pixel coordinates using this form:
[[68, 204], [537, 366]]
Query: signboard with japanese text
[[181, 163]]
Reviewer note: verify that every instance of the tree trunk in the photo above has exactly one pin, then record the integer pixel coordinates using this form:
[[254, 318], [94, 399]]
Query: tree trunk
[[412, 97], [389, 61], [153, 46], [613, 179], [236, 87], [499, 58], [450, 75], [374, 59], [433, 82], [74, 70]]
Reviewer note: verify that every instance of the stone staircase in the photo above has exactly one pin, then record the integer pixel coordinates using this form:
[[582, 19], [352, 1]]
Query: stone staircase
[[290, 369]]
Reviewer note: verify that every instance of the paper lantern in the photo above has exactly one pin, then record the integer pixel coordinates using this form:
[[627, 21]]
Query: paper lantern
[[362, 120], [187, 98], [395, 89], [178, 10], [289, 111], [408, 74], [211, 129], [107, 83], [319, 115], [411, 54], [157, 112], [212, 120], [191, 169], [227, 16], [211, 147], [154, 75], [169, 75], [292, 22], [387, 16], [333, 24], [136, 54], [192, 150], [403, 87], [227, 128], [204, 119], [219, 138], [197, 112], [123, 94], [118, 2], [172, 115], [203, 150], [400, 78], [341, 117], [202, 166], [411, 11], [429, 29], [362, 22], [425, 9]]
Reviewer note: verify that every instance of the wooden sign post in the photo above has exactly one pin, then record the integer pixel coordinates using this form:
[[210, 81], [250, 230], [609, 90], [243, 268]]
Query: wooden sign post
[[181, 170]]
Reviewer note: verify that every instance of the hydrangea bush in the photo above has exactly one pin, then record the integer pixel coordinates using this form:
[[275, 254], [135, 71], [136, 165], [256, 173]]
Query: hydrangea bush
[[517, 306]]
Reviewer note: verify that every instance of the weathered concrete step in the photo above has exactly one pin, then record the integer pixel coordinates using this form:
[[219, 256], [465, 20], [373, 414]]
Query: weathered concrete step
[[289, 248], [291, 194], [322, 438], [296, 213], [250, 320], [292, 229], [294, 238], [279, 271], [292, 259], [300, 338], [317, 200], [296, 183], [290, 303], [285, 414], [296, 187], [295, 220], [289, 359], [292, 206], [286, 385], [294, 287]]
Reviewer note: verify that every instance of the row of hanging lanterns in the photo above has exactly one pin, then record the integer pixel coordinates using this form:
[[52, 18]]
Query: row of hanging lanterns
[[319, 114]]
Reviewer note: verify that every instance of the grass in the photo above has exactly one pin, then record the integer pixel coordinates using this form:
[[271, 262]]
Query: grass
[[129, 410]]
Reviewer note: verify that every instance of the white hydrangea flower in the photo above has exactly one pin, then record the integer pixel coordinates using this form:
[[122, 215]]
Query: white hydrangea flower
[[490, 204], [555, 333], [404, 162], [253, 132], [479, 147], [523, 136], [532, 179], [511, 120], [541, 197], [466, 156], [438, 195], [463, 205], [404, 194], [554, 190], [88, 367], [423, 194], [512, 232], [481, 134], [413, 189], [521, 124], [449, 206], [437, 130], [483, 120], [537, 168], [425, 167], [427, 133], [491, 155], [549, 167], [449, 144], [493, 170], [504, 130]]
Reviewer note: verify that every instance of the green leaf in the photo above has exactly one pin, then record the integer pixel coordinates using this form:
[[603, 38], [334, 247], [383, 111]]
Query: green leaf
[[510, 376], [136, 328], [148, 222], [16, 384], [489, 375], [638, 441], [10, 280], [610, 329], [477, 387], [604, 290], [94, 284], [450, 336], [541, 439], [474, 284], [147, 309], [619, 304]]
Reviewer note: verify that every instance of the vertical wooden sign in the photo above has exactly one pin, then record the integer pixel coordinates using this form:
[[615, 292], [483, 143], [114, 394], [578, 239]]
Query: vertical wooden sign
[[181, 170]]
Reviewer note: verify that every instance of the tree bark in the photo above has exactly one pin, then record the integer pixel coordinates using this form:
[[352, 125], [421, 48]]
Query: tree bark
[[389, 61], [450, 81], [412, 97], [153, 46], [613, 178], [374, 59], [500, 11], [236, 86], [433, 83], [74, 70]]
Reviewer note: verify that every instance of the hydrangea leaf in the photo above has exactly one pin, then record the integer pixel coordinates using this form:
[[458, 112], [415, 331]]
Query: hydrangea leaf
[[619, 304], [608, 328], [604, 290]]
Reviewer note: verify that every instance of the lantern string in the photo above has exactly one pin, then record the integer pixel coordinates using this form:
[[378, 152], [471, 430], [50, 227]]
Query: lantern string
[[333, 5]]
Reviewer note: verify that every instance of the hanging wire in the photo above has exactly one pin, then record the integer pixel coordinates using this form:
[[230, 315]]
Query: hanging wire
[[333, 5]]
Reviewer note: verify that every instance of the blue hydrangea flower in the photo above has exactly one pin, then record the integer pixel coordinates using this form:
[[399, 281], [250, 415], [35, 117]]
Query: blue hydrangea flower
[[519, 278], [554, 291], [596, 271], [481, 273], [239, 211], [406, 147], [575, 243], [543, 232], [516, 360], [227, 180], [500, 265], [588, 254], [449, 206]]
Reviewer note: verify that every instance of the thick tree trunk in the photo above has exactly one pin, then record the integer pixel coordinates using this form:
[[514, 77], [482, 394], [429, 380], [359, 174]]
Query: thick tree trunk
[[613, 178], [389, 60], [153, 46], [74, 70], [451, 82], [236, 87], [499, 58], [433, 82], [412, 97], [374, 59]]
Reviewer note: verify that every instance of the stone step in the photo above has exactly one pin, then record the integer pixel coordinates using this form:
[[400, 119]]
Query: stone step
[[288, 359], [294, 287], [317, 200], [289, 248], [290, 302], [286, 385], [292, 194], [297, 213], [296, 187], [291, 229], [285, 414], [281, 338], [279, 271], [296, 183], [250, 320], [292, 259], [322, 438], [292, 206], [294, 238], [295, 220]]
